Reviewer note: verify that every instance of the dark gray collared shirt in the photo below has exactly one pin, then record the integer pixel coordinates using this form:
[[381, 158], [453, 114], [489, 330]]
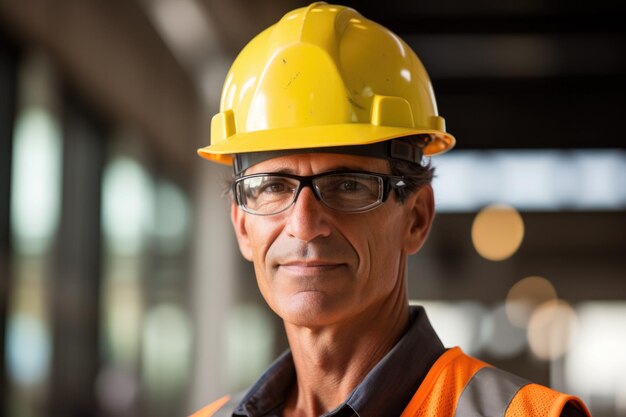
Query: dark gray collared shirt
[[385, 391]]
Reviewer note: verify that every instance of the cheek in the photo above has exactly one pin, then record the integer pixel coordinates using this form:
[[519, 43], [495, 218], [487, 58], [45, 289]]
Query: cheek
[[385, 248], [262, 234]]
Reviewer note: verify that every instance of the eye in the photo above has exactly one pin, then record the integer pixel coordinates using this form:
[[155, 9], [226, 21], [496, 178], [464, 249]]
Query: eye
[[265, 187], [277, 186], [274, 187], [350, 186]]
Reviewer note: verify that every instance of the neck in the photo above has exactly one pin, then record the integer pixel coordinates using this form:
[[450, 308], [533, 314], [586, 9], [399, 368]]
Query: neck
[[331, 361]]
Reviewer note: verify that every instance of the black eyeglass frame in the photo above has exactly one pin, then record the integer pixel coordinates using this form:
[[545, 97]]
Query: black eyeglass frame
[[389, 182]]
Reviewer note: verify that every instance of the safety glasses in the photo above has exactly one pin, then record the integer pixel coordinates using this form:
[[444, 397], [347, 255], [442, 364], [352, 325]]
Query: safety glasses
[[347, 191]]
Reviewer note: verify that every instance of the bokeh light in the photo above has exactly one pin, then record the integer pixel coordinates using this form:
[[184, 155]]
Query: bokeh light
[[595, 365], [457, 324], [172, 218], [128, 201], [539, 179], [552, 329], [249, 343], [36, 181], [28, 350], [123, 313], [497, 232], [500, 338], [525, 296], [167, 339], [116, 390]]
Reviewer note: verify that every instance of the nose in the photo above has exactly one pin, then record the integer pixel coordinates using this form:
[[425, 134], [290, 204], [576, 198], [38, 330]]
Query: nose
[[307, 219]]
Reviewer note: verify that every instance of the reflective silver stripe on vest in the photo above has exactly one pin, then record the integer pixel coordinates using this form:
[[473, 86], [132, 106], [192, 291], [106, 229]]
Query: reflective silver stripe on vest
[[488, 393]]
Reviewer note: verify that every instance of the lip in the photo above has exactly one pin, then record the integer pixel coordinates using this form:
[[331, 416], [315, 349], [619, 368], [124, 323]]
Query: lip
[[309, 267]]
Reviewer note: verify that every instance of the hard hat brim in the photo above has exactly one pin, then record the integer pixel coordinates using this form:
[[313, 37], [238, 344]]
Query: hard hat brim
[[319, 137]]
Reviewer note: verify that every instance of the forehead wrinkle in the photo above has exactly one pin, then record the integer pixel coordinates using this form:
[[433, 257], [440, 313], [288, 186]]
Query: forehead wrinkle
[[322, 171], [317, 163]]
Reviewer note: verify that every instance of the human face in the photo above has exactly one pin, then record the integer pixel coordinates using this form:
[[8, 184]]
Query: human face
[[317, 266]]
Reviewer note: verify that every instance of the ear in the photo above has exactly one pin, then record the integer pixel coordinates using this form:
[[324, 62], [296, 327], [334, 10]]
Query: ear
[[238, 218], [421, 206]]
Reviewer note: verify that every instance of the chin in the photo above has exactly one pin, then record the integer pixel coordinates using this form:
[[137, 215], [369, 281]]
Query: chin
[[310, 309]]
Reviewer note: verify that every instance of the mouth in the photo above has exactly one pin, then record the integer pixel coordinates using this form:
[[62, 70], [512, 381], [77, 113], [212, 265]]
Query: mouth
[[309, 267]]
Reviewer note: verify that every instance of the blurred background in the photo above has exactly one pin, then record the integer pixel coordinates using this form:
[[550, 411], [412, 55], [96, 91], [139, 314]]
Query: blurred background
[[122, 292]]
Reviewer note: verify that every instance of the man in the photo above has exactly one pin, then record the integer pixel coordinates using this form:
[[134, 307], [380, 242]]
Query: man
[[325, 117]]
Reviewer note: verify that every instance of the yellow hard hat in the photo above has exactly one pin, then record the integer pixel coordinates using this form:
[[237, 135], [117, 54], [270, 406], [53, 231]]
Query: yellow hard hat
[[324, 76]]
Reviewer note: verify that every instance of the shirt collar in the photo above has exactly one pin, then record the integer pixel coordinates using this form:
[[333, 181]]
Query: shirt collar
[[270, 391], [386, 390]]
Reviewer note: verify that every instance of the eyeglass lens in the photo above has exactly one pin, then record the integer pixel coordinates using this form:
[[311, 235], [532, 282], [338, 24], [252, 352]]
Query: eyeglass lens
[[269, 194]]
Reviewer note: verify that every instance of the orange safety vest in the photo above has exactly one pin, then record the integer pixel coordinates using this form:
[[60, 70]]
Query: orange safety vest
[[458, 385]]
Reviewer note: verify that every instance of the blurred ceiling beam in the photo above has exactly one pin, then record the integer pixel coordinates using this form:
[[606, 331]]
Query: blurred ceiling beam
[[110, 52], [238, 21]]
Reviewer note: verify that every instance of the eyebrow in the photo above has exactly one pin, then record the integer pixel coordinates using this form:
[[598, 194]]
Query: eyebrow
[[330, 169]]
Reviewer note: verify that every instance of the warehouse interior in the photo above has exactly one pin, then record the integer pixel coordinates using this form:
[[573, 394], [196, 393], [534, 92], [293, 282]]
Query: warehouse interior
[[122, 290]]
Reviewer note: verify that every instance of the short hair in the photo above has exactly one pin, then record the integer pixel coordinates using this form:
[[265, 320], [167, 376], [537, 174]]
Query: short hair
[[415, 176]]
